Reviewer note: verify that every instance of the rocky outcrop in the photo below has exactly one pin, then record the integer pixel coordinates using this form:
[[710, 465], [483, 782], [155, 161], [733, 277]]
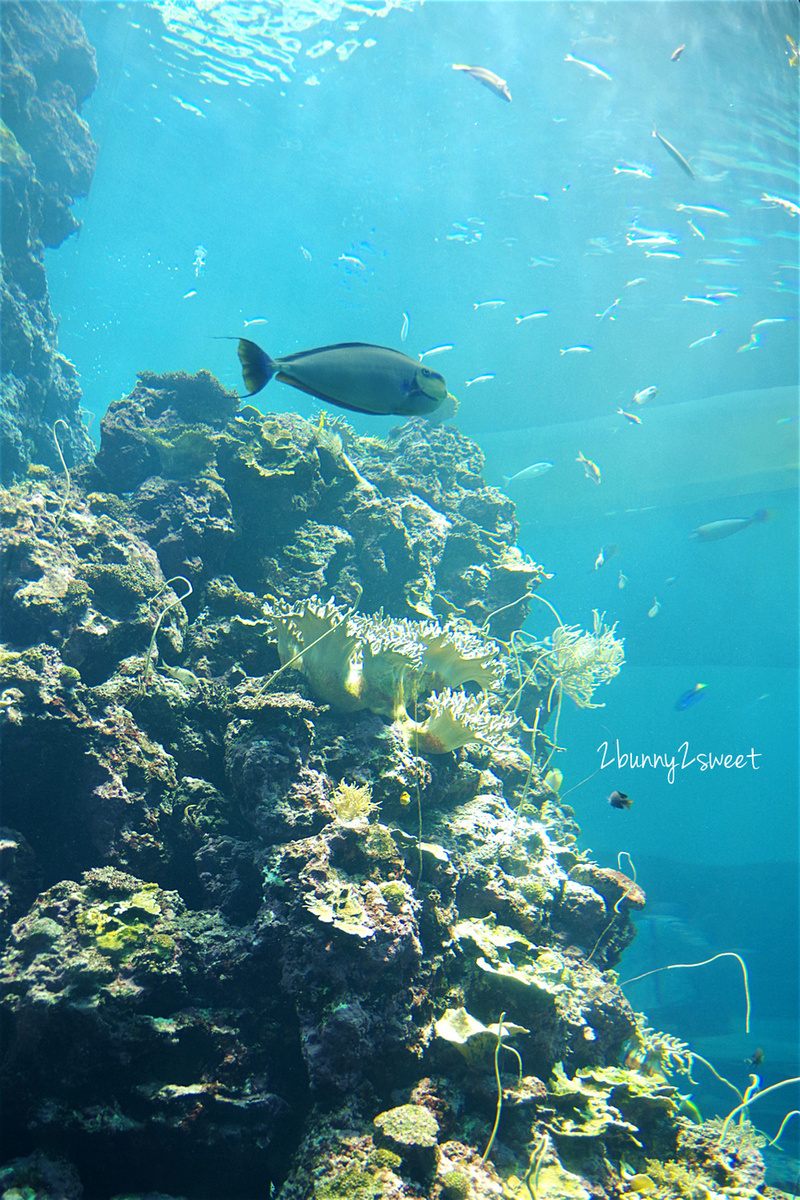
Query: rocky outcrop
[[48, 159]]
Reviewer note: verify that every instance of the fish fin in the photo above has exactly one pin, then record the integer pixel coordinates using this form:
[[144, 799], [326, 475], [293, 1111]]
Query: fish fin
[[257, 366]]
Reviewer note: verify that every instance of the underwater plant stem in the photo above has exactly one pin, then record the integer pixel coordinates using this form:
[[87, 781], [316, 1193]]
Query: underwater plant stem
[[704, 963], [161, 615], [794, 1113], [713, 1070], [531, 1179], [745, 1103], [490, 1143], [575, 786], [61, 421], [556, 683]]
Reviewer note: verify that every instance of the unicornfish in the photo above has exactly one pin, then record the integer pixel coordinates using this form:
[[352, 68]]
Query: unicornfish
[[353, 375]]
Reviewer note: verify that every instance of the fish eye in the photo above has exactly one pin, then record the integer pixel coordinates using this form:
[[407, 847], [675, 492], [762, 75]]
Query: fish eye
[[427, 372]]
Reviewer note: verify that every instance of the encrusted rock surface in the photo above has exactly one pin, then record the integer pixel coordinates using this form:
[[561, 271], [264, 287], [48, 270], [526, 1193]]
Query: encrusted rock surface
[[256, 937], [48, 159]]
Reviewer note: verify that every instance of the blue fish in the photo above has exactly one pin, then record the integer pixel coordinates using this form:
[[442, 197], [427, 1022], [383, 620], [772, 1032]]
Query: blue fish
[[691, 697]]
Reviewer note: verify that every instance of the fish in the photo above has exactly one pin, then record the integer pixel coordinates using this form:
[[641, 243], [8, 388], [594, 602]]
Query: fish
[[770, 321], [553, 779], [306, 254], [757, 1057], [621, 582], [188, 296], [700, 341], [753, 344], [531, 317], [670, 580], [488, 78], [699, 300], [404, 328], [592, 68], [722, 295], [609, 312], [793, 51], [629, 416], [352, 375], [636, 282], [661, 239], [697, 232], [256, 321], [479, 379], [591, 469], [640, 172], [539, 468], [674, 154], [677, 53], [541, 196], [701, 208], [605, 554], [780, 202], [351, 261], [619, 800], [689, 698], [656, 608], [434, 350], [659, 254], [716, 530], [721, 262], [576, 350], [648, 393], [488, 304]]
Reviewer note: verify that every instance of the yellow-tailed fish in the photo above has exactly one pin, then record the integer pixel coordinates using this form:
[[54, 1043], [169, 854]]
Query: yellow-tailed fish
[[488, 78], [591, 469], [656, 609], [591, 67], [629, 416], [554, 779], [674, 154], [352, 375], [645, 394]]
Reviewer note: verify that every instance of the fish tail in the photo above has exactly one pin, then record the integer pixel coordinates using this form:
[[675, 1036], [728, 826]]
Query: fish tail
[[257, 366], [762, 515]]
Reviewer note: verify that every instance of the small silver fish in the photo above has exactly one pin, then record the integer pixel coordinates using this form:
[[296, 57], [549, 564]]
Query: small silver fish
[[770, 321], [659, 254], [479, 379], [531, 317], [256, 321], [306, 254], [700, 341], [434, 350], [404, 328], [701, 208], [488, 304], [188, 296], [592, 68], [623, 579], [656, 609], [699, 300], [697, 232], [532, 472], [608, 315], [576, 350], [488, 78], [674, 154], [636, 282]]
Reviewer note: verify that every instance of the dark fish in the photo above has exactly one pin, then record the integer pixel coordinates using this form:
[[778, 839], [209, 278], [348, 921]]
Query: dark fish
[[691, 697], [488, 78], [716, 530], [756, 1058], [673, 153], [353, 375], [619, 800]]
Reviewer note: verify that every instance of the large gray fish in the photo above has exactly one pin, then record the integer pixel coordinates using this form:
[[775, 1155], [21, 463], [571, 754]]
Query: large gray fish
[[722, 529], [353, 375]]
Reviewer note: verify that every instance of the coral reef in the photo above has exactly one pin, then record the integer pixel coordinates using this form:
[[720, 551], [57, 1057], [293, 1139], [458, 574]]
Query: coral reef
[[48, 160], [288, 908]]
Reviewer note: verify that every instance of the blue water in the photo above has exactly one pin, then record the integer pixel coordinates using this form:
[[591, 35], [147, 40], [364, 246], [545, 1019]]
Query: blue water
[[335, 192]]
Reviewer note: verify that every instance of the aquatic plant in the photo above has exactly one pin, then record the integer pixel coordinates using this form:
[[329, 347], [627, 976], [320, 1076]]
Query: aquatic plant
[[61, 421], [172, 604], [455, 719], [704, 963], [578, 661], [352, 803]]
